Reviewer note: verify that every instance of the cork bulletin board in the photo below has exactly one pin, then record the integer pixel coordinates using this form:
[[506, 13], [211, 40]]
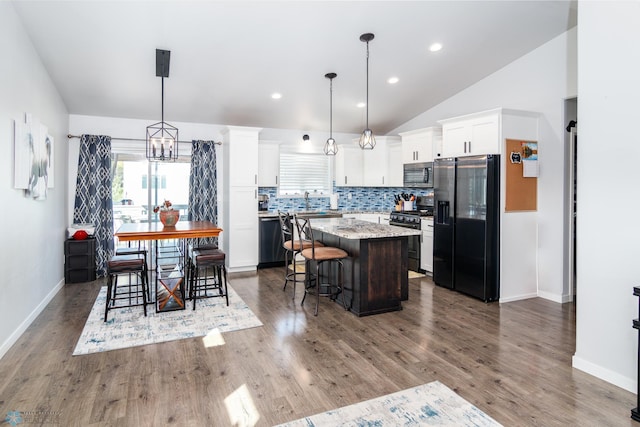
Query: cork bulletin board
[[521, 192]]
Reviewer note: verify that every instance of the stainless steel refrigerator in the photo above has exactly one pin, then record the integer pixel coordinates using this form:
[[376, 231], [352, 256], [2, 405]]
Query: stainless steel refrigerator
[[466, 233]]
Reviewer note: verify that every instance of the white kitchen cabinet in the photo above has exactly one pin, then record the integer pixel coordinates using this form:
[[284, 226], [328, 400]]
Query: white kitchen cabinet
[[426, 246], [417, 145], [356, 167], [375, 165], [240, 198], [485, 132], [348, 166], [268, 164], [396, 170], [472, 135]]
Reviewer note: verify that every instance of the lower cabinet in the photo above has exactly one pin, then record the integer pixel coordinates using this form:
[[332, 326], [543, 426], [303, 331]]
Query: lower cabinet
[[79, 260], [426, 247]]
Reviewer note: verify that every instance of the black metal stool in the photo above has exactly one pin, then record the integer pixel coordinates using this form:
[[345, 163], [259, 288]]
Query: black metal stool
[[208, 277], [132, 292], [129, 250], [292, 247], [320, 254]]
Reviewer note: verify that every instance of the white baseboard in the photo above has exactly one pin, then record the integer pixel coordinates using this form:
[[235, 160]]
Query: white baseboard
[[30, 318], [554, 297], [604, 374], [518, 297]]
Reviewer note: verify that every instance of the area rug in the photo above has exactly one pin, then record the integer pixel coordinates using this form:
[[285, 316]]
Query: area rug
[[127, 327], [432, 404], [415, 274]]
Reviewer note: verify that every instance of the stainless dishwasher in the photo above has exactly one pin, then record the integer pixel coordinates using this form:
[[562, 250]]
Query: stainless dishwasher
[[271, 250]]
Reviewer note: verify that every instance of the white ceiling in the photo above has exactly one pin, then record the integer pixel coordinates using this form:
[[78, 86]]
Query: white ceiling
[[227, 57]]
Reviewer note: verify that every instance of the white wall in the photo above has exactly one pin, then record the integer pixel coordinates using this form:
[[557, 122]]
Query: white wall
[[538, 82], [33, 232], [608, 241]]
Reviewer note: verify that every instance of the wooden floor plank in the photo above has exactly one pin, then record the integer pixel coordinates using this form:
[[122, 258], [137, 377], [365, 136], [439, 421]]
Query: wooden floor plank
[[513, 361]]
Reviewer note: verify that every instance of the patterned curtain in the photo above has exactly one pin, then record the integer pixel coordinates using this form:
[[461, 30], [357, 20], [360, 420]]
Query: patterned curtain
[[203, 185], [93, 202]]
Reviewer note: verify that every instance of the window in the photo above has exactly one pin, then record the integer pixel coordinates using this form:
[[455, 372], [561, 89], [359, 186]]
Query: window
[[138, 185], [300, 172]]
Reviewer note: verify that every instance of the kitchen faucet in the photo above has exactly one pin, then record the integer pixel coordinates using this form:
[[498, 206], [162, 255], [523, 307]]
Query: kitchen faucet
[[306, 200]]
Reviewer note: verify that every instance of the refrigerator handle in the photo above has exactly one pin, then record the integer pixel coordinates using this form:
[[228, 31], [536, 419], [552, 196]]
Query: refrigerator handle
[[443, 212]]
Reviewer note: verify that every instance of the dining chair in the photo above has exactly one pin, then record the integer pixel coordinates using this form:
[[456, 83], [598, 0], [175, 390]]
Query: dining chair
[[130, 292]]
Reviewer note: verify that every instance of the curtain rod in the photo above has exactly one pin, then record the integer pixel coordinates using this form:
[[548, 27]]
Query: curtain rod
[[69, 136]]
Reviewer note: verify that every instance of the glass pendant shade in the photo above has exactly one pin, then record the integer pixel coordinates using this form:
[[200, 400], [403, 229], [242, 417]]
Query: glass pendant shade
[[367, 140], [162, 138], [330, 147]]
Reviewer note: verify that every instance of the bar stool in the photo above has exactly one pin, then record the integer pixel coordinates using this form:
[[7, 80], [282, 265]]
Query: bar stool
[[292, 247], [320, 255], [140, 250], [132, 292], [208, 275]]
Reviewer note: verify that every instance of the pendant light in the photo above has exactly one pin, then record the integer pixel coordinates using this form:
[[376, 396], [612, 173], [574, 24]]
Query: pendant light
[[162, 138], [367, 140], [330, 147]]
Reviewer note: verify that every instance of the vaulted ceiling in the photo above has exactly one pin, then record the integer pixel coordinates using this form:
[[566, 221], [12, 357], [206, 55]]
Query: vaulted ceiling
[[228, 57]]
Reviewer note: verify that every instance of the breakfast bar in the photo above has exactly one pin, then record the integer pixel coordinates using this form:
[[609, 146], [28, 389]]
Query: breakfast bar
[[376, 275]]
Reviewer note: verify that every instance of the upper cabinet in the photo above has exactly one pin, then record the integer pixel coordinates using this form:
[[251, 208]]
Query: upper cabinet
[[484, 132], [367, 168], [396, 170], [268, 164], [241, 151], [418, 145], [349, 166]]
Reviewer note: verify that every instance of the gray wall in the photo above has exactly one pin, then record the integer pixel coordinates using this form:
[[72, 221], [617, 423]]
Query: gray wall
[[31, 254]]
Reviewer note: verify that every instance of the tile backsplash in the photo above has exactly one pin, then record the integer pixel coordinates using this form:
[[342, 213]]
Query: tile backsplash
[[376, 199]]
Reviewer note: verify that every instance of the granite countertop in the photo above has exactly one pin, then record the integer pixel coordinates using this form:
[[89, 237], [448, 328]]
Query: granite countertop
[[357, 229], [269, 214]]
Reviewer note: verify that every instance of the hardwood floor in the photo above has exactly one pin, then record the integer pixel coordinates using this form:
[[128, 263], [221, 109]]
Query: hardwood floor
[[513, 361]]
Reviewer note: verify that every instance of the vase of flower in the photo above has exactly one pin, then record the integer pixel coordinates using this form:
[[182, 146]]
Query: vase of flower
[[168, 216]]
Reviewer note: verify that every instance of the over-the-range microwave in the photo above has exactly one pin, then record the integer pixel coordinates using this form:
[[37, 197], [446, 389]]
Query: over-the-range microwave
[[418, 174]]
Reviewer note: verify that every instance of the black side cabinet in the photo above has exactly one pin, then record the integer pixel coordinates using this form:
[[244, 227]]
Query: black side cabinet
[[79, 260]]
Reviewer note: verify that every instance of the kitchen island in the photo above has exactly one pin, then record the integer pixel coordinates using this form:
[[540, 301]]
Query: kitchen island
[[376, 274]]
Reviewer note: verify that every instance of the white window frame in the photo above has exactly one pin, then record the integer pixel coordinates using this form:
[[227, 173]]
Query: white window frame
[[304, 172]]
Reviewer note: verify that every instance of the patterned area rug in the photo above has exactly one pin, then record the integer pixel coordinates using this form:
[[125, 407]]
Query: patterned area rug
[[432, 404], [127, 327]]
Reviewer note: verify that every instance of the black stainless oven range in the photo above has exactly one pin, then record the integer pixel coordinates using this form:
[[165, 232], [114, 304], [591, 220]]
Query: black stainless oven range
[[409, 219]]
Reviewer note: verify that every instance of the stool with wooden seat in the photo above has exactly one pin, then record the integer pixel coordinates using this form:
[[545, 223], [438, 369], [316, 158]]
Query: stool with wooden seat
[[130, 294], [320, 254], [208, 275], [292, 247]]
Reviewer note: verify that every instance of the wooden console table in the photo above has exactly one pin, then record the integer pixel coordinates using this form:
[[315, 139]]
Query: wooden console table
[[169, 278]]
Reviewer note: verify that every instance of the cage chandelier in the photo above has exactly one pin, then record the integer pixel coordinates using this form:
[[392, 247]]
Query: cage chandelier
[[162, 138]]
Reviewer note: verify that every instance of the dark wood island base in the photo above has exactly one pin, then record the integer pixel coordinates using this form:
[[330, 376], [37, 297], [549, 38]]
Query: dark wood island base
[[376, 275]]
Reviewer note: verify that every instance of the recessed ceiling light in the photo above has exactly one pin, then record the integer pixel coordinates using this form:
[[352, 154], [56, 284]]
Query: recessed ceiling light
[[435, 47], [393, 80], [361, 105], [276, 95]]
